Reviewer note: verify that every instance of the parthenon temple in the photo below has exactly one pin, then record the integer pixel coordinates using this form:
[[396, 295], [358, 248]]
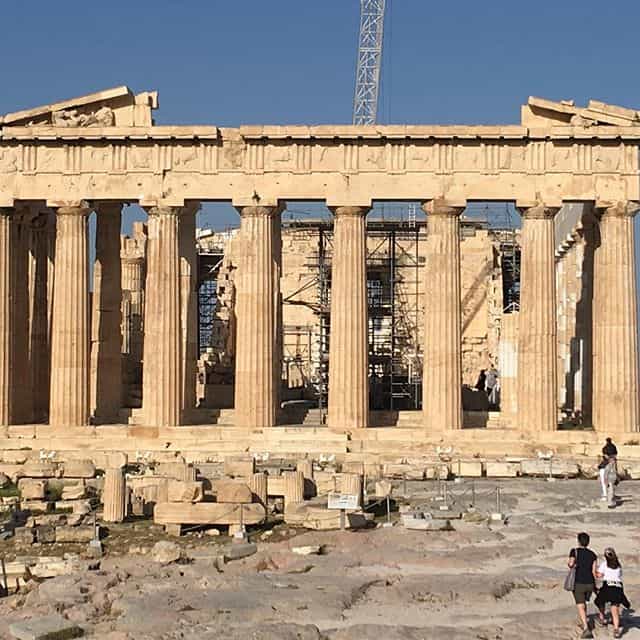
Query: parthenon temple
[[111, 355]]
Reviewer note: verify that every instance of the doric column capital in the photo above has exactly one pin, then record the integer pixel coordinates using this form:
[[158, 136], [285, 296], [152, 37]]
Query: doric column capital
[[75, 209], [41, 220], [132, 259], [620, 209], [538, 211], [26, 213], [442, 207], [163, 211], [344, 212], [259, 211]]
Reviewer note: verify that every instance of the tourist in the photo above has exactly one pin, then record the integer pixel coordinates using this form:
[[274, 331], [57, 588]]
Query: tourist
[[602, 475], [492, 386], [481, 384], [584, 560], [610, 450], [612, 591], [608, 471]]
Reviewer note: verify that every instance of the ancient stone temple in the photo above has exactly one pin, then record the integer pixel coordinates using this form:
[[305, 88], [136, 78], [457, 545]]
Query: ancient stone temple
[[66, 355]]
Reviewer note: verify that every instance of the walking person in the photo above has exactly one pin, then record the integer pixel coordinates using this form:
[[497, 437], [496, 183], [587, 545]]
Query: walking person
[[492, 386], [584, 560], [609, 450], [608, 467], [612, 591], [481, 383]]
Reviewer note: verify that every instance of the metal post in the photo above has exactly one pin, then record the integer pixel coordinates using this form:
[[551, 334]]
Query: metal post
[[498, 500], [5, 584], [388, 511], [473, 493], [404, 484], [343, 519]]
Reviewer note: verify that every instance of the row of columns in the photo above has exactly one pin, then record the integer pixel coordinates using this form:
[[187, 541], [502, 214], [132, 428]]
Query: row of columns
[[171, 318]]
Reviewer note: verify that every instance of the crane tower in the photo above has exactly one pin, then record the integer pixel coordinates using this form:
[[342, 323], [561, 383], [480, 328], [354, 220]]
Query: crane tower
[[365, 101]]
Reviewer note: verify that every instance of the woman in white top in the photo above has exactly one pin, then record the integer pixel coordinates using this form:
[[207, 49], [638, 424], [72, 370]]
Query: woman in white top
[[612, 591]]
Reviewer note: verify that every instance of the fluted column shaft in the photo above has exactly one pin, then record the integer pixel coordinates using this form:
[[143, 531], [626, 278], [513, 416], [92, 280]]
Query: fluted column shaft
[[189, 307], [537, 334], [615, 322], [161, 378], [22, 402], [114, 496], [277, 298], [442, 365], [133, 276], [6, 318], [106, 337], [69, 397], [256, 387], [39, 299], [348, 345]]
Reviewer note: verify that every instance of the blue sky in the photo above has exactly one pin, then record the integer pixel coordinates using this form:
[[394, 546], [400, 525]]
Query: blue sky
[[292, 61]]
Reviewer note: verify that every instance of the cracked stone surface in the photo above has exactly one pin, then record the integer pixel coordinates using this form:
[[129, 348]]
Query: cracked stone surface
[[477, 582]]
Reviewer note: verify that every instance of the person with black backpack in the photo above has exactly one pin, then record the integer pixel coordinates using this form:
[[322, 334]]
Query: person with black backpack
[[582, 573]]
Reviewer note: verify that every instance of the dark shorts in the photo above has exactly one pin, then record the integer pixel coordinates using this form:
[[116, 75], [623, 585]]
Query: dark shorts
[[582, 593], [610, 594]]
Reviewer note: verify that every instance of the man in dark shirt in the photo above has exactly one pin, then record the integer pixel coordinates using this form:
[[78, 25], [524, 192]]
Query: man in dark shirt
[[584, 560], [609, 450]]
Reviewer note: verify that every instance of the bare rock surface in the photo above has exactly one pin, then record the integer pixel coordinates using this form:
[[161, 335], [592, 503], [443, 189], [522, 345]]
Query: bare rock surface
[[479, 581], [165, 552]]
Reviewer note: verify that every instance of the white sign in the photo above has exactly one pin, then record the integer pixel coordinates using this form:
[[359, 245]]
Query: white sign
[[343, 501]]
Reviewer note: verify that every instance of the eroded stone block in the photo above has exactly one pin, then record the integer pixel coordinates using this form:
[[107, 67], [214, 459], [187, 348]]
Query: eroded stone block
[[230, 491], [79, 469], [182, 491], [47, 628], [500, 469], [239, 466], [32, 489]]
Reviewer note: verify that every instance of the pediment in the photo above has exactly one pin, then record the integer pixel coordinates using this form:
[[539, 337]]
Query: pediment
[[541, 112], [109, 108]]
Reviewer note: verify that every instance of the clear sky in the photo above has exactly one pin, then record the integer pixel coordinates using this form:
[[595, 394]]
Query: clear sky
[[228, 62]]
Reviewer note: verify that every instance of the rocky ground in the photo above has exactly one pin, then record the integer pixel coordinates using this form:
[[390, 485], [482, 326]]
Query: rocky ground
[[478, 581]]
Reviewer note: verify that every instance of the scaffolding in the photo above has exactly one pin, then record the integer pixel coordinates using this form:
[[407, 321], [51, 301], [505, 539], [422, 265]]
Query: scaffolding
[[395, 364], [207, 288], [395, 257]]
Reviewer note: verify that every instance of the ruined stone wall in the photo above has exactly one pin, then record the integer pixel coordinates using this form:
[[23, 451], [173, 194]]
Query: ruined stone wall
[[481, 300]]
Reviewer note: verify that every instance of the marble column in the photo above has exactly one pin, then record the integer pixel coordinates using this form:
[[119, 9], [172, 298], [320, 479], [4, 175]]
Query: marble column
[[114, 495], [133, 259], [348, 404], [277, 297], [188, 308], [161, 377], [39, 300], [615, 322], [6, 317], [69, 397], [106, 337], [537, 332], [22, 400], [256, 387], [442, 365]]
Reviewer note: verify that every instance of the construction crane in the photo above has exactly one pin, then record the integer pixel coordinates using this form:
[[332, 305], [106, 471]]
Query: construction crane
[[365, 101]]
